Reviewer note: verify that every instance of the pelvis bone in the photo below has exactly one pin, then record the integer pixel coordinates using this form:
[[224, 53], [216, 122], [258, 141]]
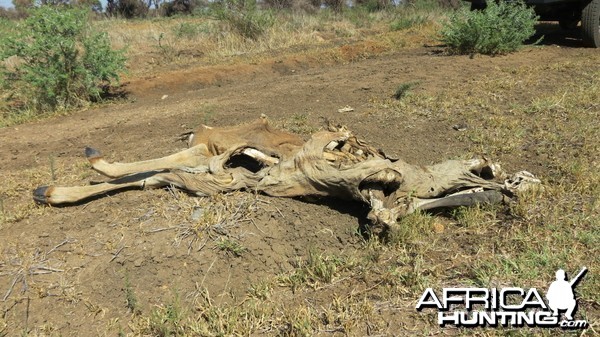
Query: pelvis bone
[[331, 163]]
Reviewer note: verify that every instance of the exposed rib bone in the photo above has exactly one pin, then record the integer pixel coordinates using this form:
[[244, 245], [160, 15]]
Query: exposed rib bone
[[457, 200], [254, 153]]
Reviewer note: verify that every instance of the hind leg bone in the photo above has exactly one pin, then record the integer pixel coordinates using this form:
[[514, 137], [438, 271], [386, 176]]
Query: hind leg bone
[[56, 195], [194, 158]]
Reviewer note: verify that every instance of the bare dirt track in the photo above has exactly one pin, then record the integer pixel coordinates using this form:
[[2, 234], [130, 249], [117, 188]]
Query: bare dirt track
[[69, 271]]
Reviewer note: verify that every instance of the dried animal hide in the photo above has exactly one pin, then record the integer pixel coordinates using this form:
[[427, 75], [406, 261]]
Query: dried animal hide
[[332, 163]]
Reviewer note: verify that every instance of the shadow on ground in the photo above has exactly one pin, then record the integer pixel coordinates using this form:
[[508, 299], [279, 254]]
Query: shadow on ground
[[552, 34]]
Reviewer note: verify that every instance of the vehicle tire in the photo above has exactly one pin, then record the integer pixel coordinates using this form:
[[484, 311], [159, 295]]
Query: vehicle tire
[[590, 24]]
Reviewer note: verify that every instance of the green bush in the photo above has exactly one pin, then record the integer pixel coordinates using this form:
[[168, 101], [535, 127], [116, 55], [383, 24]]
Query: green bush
[[179, 7], [129, 9], [499, 29], [244, 17], [61, 61]]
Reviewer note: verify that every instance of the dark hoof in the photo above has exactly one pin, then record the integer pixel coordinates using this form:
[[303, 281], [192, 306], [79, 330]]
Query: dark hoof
[[40, 194], [91, 153]]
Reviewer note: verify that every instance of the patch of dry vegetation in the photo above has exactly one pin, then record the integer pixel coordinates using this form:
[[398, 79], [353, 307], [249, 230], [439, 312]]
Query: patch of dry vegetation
[[181, 42], [162, 44], [524, 115]]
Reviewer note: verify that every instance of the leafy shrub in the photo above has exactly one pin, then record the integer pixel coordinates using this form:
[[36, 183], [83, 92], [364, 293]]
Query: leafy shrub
[[61, 61], [177, 7], [499, 29], [244, 17]]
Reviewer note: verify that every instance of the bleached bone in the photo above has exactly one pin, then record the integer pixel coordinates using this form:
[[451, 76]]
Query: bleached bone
[[522, 181]]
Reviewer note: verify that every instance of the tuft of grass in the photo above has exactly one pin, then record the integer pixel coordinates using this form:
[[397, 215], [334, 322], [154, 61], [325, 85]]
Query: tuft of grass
[[406, 22], [476, 216], [131, 301], [298, 124], [12, 117], [261, 290], [403, 90], [409, 229], [215, 219], [316, 270], [321, 268], [230, 246], [167, 321], [299, 323]]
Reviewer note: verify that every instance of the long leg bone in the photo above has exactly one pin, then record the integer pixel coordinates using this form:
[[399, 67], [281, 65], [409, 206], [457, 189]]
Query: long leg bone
[[192, 158], [60, 195]]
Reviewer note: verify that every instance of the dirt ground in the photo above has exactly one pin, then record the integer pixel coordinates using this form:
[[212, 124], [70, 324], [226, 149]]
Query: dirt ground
[[67, 270]]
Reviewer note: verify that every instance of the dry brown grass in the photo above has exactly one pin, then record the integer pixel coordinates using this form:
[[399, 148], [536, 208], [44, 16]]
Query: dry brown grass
[[180, 42]]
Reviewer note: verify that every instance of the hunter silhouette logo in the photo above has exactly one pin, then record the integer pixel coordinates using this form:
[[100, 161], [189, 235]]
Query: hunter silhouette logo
[[516, 307], [560, 294]]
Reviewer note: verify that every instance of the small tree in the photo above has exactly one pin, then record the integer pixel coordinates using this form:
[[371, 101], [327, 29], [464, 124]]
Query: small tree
[[132, 8], [94, 5], [9, 13], [176, 7], [62, 61], [499, 29], [22, 6]]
